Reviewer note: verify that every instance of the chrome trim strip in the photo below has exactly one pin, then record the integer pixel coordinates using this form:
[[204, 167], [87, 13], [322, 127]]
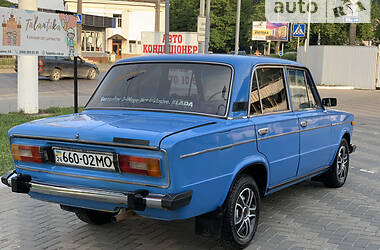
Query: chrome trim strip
[[308, 129], [58, 139], [297, 179], [340, 123], [258, 139], [225, 116], [274, 136], [152, 200], [216, 148]]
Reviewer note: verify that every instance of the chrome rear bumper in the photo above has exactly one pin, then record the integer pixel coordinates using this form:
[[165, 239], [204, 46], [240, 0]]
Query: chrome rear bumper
[[136, 200]]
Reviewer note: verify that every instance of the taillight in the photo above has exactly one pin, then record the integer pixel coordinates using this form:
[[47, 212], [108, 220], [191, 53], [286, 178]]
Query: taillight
[[26, 153], [40, 65], [139, 165]]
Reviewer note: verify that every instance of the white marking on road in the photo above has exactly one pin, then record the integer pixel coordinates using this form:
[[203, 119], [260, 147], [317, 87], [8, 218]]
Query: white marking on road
[[367, 171]]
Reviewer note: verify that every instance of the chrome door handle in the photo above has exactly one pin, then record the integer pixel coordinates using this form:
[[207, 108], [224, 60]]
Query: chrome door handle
[[304, 124], [263, 131]]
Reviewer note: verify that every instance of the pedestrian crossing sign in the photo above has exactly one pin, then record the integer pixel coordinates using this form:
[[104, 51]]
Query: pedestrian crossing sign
[[299, 30]]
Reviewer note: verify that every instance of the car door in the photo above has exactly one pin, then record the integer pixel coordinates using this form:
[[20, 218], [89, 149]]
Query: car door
[[276, 126], [314, 122], [67, 65], [82, 68]]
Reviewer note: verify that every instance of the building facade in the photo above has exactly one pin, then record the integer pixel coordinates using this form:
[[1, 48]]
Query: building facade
[[130, 18]]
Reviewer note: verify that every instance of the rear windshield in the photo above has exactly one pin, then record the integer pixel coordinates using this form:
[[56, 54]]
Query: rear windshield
[[185, 87]]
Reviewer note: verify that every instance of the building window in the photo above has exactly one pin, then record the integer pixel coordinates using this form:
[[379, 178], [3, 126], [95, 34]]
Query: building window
[[132, 47], [117, 20], [93, 41]]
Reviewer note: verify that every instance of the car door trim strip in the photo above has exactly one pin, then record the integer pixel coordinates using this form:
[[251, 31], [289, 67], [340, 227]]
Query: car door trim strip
[[259, 139], [217, 148]]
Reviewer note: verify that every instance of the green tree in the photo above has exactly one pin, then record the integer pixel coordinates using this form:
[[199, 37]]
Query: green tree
[[183, 15], [5, 3]]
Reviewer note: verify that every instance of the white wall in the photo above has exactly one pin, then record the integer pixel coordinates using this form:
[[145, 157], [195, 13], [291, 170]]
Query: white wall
[[353, 66]]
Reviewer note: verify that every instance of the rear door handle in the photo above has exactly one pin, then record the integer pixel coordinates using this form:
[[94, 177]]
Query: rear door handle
[[304, 124], [263, 131]]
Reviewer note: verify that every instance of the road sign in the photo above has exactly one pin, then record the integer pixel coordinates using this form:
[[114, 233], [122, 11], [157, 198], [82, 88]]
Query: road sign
[[79, 16], [299, 30], [281, 53]]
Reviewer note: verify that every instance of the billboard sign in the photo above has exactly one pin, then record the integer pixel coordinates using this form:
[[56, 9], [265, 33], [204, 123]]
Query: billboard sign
[[153, 43], [265, 31], [25, 32], [318, 11]]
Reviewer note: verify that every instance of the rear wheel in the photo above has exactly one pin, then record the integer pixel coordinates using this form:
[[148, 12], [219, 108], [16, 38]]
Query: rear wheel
[[336, 176], [94, 217], [55, 75], [92, 74], [242, 213]]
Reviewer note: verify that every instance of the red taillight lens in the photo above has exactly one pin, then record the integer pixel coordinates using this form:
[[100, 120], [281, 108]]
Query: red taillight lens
[[139, 165], [40, 65], [26, 153]]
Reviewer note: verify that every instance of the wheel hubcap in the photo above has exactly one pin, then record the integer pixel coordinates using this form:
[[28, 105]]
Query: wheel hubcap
[[92, 73], [56, 75], [245, 213], [342, 163]]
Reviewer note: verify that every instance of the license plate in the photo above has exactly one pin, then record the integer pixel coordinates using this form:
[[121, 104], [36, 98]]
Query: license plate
[[98, 160]]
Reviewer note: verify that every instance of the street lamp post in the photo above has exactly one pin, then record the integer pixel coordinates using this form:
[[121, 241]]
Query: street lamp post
[[167, 25], [237, 32], [207, 35]]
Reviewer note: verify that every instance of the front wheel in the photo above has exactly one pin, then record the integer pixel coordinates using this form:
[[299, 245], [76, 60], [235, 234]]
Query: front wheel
[[337, 174], [242, 213], [55, 75], [92, 74], [94, 217]]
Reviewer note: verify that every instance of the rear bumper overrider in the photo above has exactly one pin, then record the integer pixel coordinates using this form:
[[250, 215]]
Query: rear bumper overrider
[[136, 200]]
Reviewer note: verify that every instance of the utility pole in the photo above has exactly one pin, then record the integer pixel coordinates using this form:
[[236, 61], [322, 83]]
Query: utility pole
[[167, 25], [201, 15], [207, 36], [158, 13], [27, 76], [237, 31], [307, 42], [352, 33], [79, 28]]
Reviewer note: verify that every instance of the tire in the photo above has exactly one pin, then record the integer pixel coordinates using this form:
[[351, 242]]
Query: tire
[[94, 217], [55, 75], [241, 216], [336, 176], [92, 74]]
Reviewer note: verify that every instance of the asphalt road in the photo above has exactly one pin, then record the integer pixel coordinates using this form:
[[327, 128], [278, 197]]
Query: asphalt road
[[305, 216], [51, 94]]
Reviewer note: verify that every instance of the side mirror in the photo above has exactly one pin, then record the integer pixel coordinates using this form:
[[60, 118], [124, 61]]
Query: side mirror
[[329, 102]]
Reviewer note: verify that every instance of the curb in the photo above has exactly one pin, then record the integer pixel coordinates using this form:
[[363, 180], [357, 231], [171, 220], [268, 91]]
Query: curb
[[336, 87]]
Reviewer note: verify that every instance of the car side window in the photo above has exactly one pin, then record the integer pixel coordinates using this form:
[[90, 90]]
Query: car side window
[[272, 89], [254, 98], [312, 93], [300, 90]]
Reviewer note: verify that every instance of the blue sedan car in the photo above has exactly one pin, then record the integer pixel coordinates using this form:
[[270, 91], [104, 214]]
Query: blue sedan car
[[176, 137]]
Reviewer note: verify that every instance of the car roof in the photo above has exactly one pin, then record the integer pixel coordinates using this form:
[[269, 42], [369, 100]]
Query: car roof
[[234, 60]]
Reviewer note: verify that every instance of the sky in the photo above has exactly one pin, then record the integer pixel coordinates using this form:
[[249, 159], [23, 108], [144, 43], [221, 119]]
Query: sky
[[47, 4]]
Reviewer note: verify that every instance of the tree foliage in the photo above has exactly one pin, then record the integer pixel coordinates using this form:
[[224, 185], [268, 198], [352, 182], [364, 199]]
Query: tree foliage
[[5, 3], [184, 13]]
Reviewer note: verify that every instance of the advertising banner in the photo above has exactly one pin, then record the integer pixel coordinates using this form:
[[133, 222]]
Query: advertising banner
[[318, 11], [180, 43], [25, 32], [265, 31]]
